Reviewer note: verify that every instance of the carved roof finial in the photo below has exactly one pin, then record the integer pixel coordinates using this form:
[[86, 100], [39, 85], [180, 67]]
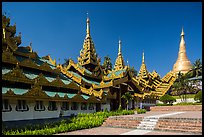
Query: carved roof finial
[[143, 57], [87, 27], [119, 47], [182, 32]]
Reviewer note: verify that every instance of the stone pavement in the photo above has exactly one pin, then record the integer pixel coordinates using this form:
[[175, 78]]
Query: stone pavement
[[127, 131]]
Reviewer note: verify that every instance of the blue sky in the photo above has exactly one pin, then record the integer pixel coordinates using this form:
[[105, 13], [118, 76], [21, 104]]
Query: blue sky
[[59, 29]]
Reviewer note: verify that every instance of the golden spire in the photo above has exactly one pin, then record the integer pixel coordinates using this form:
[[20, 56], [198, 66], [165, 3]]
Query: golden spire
[[87, 26], [143, 73], [119, 63], [182, 64], [119, 47], [143, 57], [88, 57]]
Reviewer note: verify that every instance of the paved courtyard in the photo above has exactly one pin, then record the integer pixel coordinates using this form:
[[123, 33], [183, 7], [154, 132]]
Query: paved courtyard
[[125, 131]]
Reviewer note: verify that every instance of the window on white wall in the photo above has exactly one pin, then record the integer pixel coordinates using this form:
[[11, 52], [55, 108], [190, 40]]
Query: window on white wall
[[74, 106], [83, 106], [6, 107], [91, 106], [52, 106], [65, 106], [22, 106], [39, 106]]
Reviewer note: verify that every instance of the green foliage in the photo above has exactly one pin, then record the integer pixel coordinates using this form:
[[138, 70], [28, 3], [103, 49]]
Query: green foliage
[[167, 99], [120, 108], [127, 96], [105, 110], [198, 96], [188, 103], [159, 104], [141, 111], [107, 64], [81, 121], [196, 69], [133, 71]]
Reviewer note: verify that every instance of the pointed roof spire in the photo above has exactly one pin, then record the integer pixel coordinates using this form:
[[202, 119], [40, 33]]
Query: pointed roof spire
[[143, 57], [87, 26], [182, 32], [119, 63], [143, 73], [88, 57], [119, 47], [182, 64]]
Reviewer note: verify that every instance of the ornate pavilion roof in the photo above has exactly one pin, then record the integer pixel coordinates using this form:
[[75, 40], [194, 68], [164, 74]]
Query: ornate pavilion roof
[[25, 74], [81, 81]]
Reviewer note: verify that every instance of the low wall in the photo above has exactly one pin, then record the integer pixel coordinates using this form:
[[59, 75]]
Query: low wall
[[193, 125], [177, 108], [122, 122]]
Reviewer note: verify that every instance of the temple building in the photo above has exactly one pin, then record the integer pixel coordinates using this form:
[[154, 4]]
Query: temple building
[[36, 87], [182, 64]]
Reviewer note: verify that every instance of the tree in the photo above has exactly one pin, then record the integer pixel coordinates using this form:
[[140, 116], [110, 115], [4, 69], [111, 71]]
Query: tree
[[66, 62], [182, 86], [167, 99], [107, 65], [196, 69], [133, 71], [198, 96], [127, 96]]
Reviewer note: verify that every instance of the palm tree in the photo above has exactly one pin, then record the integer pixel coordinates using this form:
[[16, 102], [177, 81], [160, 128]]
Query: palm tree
[[182, 86], [196, 69], [133, 71], [66, 62], [107, 64], [127, 96]]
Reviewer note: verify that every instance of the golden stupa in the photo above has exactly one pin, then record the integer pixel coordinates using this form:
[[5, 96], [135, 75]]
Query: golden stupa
[[182, 64]]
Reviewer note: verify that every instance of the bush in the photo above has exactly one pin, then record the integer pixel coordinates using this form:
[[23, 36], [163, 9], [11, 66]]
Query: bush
[[159, 104], [167, 99], [198, 96], [81, 121], [188, 103], [141, 111]]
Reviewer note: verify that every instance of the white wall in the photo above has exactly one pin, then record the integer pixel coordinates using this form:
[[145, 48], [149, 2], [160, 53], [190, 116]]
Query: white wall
[[32, 114], [106, 105]]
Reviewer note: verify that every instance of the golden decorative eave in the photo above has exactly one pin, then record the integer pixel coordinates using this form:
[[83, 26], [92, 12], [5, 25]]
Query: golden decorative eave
[[28, 63], [78, 98], [103, 85], [113, 76], [42, 80], [46, 67], [57, 82], [8, 57], [93, 99], [31, 55], [16, 75], [36, 91], [72, 85], [53, 62]]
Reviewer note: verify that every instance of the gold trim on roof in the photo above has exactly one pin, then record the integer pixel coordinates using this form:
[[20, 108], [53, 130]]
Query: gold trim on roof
[[28, 63], [8, 57], [16, 75]]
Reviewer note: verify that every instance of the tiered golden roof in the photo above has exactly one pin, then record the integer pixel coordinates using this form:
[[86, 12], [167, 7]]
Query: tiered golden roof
[[182, 64], [88, 56], [119, 63], [85, 77], [143, 73]]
